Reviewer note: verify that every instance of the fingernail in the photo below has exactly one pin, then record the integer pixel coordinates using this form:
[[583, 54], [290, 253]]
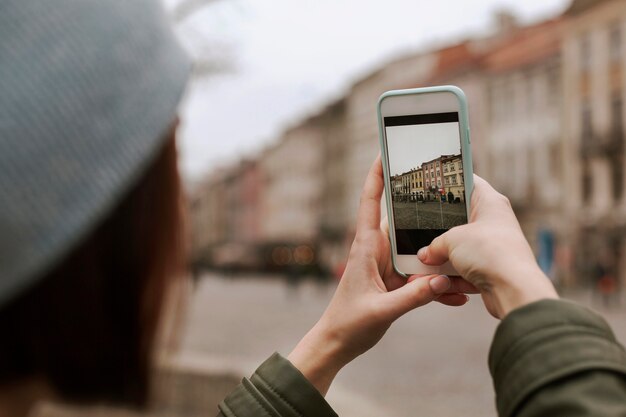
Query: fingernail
[[421, 254], [439, 284]]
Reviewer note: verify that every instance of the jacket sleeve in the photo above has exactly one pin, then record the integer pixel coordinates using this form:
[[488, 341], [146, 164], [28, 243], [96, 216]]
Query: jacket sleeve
[[276, 389], [555, 358]]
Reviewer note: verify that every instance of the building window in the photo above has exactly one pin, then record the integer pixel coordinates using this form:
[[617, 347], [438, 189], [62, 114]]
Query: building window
[[617, 123], [554, 80], [586, 122], [617, 171], [529, 93], [615, 43], [586, 182], [555, 159], [438, 183], [617, 133], [585, 52]]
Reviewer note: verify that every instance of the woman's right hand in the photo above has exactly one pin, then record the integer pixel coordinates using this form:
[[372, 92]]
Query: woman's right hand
[[492, 253]]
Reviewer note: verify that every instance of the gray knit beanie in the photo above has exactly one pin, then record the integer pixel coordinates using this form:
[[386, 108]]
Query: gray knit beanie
[[88, 89]]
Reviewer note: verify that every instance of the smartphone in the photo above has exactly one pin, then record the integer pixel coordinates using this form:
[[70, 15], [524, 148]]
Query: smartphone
[[427, 163]]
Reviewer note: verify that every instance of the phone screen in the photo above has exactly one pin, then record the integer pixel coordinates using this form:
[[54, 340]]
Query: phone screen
[[426, 174]]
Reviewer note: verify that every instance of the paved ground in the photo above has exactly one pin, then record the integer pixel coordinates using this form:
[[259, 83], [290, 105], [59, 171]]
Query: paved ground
[[428, 215], [432, 362]]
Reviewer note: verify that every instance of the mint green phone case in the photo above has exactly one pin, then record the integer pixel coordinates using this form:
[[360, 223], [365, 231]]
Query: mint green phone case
[[468, 171]]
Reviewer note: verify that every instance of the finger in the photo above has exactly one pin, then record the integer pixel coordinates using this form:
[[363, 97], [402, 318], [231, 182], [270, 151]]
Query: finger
[[457, 285], [420, 276], [437, 253], [486, 200], [461, 286], [418, 292], [368, 217], [453, 300], [392, 279]]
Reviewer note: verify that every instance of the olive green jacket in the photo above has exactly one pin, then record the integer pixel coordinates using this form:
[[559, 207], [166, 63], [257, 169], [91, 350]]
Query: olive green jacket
[[550, 358]]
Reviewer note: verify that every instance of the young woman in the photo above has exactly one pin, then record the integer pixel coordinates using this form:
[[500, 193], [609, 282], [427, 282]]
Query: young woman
[[91, 242]]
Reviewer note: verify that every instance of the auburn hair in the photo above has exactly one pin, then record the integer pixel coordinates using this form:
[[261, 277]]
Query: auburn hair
[[89, 327]]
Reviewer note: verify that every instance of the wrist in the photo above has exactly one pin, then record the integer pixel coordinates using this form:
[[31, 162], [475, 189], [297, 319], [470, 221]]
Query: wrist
[[522, 286], [318, 356]]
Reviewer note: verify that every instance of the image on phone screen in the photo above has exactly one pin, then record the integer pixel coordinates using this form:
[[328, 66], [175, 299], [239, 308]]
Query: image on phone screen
[[426, 174]]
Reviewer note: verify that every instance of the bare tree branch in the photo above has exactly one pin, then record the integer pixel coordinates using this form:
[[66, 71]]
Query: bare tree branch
[[186, 8], [211, 56]]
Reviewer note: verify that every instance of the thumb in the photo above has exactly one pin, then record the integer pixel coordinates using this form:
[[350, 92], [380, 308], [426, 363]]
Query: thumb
[[437, 253], [422, 290]]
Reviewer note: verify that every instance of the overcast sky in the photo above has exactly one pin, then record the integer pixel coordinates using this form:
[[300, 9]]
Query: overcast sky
[[410, 146], [292, 56]]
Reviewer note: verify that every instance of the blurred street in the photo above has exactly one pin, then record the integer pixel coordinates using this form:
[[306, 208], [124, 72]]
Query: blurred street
[[432, 362]]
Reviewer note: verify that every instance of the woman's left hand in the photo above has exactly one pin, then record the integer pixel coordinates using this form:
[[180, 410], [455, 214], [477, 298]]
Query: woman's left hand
[[370, 296]]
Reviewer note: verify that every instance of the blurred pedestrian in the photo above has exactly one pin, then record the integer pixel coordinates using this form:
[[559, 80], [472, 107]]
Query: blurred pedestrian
[[605, 281], [606, 284], [294, 278]]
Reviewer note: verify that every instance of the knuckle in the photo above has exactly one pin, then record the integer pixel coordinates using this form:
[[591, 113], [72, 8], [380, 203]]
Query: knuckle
[[421, 295], [451, 235], [439, 241], [443, 241], [504, 200]]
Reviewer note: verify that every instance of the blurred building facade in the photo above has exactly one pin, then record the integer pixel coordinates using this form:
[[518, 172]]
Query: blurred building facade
[[594, 63], [524, 135], [546, 112], [292, 187]]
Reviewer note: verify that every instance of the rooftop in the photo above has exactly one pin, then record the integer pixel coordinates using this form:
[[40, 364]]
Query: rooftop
[[528, 46], [579, 6]]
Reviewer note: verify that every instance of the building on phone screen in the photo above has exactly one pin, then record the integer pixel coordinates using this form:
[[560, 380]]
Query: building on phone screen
[[453, 178]]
